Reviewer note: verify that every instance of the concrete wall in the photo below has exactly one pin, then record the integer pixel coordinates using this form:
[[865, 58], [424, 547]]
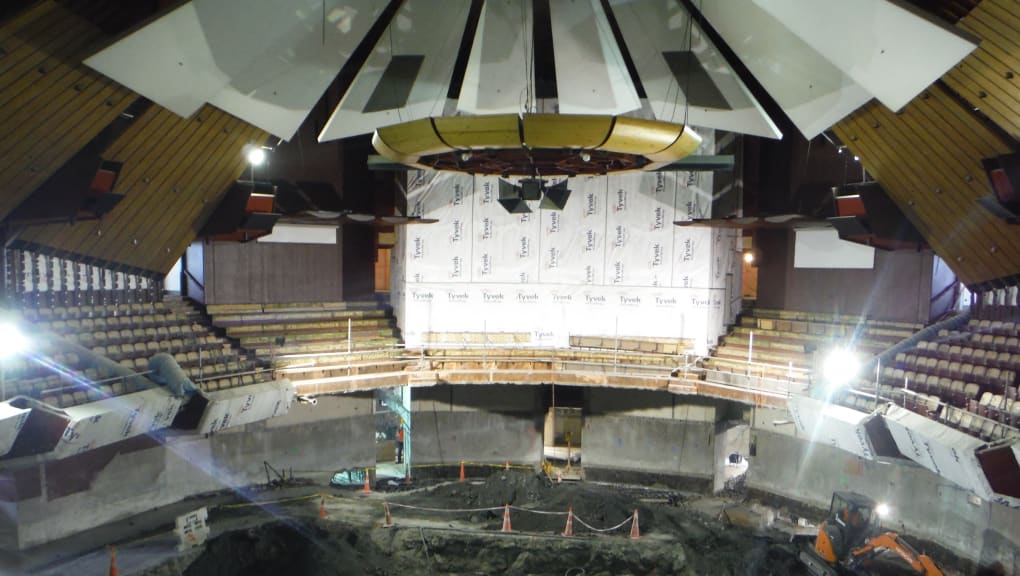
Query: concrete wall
[[476, 424], [313, 440], [924, 504], [646, 431]]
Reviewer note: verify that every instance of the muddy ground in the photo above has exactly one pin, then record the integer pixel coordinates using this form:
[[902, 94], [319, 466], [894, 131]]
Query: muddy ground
[[676, 537]]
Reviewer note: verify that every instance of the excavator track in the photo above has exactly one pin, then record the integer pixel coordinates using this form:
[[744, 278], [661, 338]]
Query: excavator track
[[816, 565]]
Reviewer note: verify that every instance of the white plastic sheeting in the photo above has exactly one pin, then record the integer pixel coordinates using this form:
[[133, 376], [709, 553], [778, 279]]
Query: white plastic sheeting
[[12, 419], [941, 449], [114, 419], [831, 424], [611, 263], [245, 404]]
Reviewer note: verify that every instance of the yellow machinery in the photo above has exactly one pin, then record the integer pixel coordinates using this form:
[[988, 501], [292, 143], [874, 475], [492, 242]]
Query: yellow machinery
[[850, 542]]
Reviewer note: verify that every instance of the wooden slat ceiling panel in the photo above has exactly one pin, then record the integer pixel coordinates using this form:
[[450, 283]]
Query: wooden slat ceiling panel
[[173, 169], [988, 77], [50, 104], [928, 158]]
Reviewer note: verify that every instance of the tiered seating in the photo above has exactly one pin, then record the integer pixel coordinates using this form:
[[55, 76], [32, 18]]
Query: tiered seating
[[59, 376], [132, 333], [964, 378], [316, 333], [784, 338]]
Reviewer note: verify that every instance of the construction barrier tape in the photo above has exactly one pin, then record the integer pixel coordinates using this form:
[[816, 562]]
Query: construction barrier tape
[[453, 511]]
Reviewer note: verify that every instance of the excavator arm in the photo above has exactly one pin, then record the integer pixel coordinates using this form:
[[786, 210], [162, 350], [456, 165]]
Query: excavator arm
[[891, 541]]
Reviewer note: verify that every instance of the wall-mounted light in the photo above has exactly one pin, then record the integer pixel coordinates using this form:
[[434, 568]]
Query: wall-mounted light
[[256, 156]]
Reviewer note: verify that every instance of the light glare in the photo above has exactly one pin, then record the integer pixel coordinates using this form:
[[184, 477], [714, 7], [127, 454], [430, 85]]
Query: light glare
[[840, 367], [12, 341], [749, 257], [882, 510], [256, 156]]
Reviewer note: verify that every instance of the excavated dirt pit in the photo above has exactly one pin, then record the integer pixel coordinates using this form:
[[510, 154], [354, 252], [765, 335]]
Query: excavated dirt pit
[[675, 538]]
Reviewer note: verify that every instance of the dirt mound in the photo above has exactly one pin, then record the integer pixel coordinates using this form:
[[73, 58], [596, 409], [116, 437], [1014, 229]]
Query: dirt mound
[[294, 547]]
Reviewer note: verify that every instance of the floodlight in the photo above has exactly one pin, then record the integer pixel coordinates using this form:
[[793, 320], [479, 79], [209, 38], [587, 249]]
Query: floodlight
[[882, 510], [749, 257], [12, 340], [256, 156], [840, 367]]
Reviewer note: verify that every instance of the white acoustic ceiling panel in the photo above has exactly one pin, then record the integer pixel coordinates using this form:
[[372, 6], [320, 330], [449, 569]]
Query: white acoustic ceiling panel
[[892, 52], [813, 92], [498, 74], [180, 74], [591, 76], [408, 74], [265, 61], [658, 36]]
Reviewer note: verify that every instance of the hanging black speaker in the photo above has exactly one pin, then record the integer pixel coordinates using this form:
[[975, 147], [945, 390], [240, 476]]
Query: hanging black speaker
[[556, 197]]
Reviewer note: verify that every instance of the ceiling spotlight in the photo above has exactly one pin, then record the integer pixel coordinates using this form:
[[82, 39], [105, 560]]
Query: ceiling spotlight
[[585, 157], [840, 149], [465, 156], [857, 158], [256, 156]]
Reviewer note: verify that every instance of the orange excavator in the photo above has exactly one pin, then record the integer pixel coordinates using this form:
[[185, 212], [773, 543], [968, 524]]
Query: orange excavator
[[850, 543]]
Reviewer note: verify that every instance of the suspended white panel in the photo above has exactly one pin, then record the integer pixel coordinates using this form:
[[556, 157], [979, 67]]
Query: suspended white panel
[[813, 93], [245, 404], [497, 78], [941, 449], [301, 234], [591, 77], [890, 51], [825, 249], [12, 419], [655, 31], [168, 61], [831, 424], [422, 32], [114, 419], [266, 62]]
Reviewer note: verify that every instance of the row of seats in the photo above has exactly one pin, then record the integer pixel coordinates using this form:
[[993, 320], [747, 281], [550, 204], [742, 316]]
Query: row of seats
[[991, 342], [193, 333], [116, 322], [987, 421], [955, 392], [234, 381], [994, 327], [958, 353], [977, 373], [46, 314]]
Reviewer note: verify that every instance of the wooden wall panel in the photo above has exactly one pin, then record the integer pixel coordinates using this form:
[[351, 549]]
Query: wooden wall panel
[[272, 273], [51, 105], [928, 158], [174, 170], [988, 78]]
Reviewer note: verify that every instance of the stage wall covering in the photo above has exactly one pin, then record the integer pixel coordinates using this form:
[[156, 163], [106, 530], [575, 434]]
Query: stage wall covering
[[610, 264]]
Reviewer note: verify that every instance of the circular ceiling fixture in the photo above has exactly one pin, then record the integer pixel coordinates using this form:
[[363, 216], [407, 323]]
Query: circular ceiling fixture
[[536, 144]]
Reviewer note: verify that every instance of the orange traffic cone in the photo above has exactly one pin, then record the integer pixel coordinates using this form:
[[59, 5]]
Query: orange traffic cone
[[322, 508], [387, 519], [461, 470], [507, 465], [635, 532], [113, 562], [368, 488], [506, 519], [569, 530]]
